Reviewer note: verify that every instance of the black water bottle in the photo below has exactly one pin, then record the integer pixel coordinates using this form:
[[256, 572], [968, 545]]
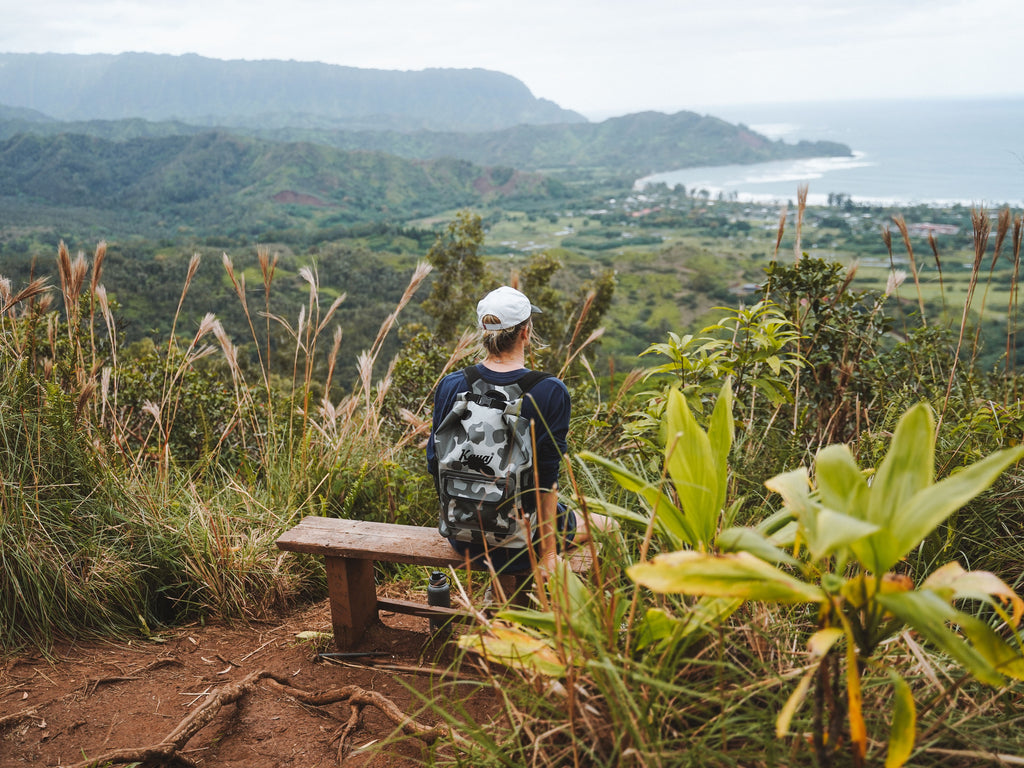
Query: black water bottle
[[439, 595]]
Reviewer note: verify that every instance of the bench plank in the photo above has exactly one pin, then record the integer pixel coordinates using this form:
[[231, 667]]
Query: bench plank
[[350, 548], [366, 540], [423, 610]]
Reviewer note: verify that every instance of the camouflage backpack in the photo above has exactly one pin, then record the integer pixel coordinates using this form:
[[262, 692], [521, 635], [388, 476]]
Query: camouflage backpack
[[485, 463]]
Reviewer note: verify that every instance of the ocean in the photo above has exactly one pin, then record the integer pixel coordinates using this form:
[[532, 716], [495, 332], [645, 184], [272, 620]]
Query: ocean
[[934, 152]]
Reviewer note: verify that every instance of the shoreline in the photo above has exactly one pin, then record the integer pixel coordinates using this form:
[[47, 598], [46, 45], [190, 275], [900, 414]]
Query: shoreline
[[717, 181]]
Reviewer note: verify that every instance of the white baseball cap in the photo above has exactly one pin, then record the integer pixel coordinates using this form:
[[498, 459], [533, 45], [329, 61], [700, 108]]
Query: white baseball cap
[[510, 306]]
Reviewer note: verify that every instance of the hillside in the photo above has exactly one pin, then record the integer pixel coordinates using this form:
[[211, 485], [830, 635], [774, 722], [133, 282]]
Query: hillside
[[635, 144], [233, 183], [630, 145], [211, 92]]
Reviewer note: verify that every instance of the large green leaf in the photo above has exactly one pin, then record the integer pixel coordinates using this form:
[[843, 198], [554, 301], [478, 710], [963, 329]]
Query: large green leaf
[[841, 484], [929, 614], [908, 467], [665, 512], [920, 514], [756, 543], [739, 575], [841, 488], [691, 465], [720, 436], [835, 531]]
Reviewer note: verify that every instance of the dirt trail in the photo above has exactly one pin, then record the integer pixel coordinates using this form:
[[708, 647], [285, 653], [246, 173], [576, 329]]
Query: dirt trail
[[90, 699]]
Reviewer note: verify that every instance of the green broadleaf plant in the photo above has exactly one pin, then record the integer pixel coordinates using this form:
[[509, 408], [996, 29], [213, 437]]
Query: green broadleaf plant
[[753, 345], [688, 510], [850, 536], [696, 462]]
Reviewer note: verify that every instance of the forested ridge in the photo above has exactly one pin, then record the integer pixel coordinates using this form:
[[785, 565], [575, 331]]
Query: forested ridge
[[235, 183], [629, 145], [212, 92]]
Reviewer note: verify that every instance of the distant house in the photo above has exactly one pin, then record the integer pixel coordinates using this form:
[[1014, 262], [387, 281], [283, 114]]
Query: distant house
[[924, 229]]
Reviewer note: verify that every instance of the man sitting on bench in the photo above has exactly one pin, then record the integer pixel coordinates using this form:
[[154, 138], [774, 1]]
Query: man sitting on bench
[[497, 426]]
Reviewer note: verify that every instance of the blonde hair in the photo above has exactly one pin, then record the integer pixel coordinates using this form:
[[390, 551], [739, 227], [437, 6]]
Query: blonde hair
[[501, 341]]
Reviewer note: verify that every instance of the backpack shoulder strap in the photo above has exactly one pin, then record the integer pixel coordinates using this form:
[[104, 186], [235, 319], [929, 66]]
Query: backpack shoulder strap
[[526, 382], [531, 379]]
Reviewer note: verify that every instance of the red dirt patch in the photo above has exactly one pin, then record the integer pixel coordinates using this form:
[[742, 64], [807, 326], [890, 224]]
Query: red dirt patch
[[297, 198], [92, 698]]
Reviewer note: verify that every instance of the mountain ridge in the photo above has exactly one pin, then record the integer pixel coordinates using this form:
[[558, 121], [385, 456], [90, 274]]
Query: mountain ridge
[[635, 144], [206, 91]]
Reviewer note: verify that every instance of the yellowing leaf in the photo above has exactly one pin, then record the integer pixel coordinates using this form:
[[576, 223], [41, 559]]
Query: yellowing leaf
[[904, 723], [793, 703], [739, 575], [822, 640], [954, 583], [855, 705], [515, 648]]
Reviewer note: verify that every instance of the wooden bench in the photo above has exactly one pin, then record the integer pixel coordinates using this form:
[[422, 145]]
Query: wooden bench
[[350, 548]]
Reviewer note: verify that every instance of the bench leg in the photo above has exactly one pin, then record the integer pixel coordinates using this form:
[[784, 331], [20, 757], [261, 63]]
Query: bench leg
[[353, 597]]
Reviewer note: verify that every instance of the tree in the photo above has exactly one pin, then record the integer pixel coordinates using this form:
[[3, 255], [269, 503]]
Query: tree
[[567, 322], [459, 274]]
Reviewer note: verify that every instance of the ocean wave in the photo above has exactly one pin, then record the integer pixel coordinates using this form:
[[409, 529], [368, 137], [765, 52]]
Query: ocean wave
[[861, 176], [802, 170], [818, 199], [728, 176]]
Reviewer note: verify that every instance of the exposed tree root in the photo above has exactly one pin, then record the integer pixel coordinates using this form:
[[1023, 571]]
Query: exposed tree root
[[13, 719], [358, 698], [346, 731], [169, 749]]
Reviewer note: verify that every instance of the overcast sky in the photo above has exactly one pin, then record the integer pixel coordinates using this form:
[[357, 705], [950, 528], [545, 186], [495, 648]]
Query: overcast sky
[[599, 57]]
